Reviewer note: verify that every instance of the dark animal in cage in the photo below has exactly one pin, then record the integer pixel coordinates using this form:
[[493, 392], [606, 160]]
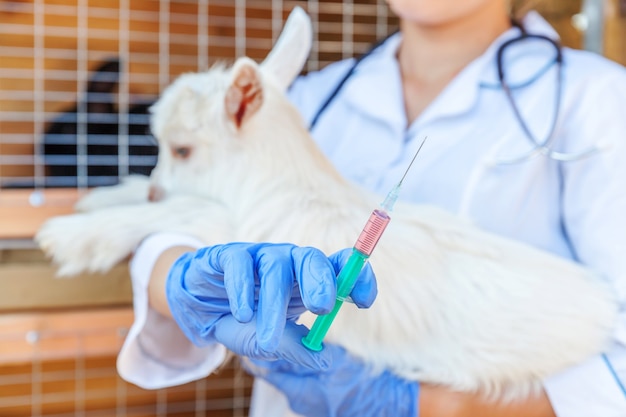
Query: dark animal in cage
[[84, 145]]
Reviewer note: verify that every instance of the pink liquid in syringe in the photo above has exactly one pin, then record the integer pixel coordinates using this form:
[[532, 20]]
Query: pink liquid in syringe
[[372, 232]]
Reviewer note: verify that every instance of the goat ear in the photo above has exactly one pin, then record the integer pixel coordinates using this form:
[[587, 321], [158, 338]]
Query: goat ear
[[245, 93], [291, 50]]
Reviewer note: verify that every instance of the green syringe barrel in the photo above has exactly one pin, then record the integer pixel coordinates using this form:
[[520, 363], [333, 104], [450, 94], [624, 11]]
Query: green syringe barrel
[[345, 282], [348, 275]]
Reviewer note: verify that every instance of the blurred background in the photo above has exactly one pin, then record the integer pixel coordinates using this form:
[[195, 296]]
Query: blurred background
[[76, 80]]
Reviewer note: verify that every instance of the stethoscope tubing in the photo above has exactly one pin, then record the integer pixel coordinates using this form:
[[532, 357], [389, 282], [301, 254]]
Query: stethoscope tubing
[[542, 148]]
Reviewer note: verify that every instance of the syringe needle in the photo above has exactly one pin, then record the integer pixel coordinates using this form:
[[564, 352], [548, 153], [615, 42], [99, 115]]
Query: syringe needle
[[413, 160], [392, 196]]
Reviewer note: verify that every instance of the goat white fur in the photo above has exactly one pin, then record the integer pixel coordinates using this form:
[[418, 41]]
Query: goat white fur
[[456, 305]]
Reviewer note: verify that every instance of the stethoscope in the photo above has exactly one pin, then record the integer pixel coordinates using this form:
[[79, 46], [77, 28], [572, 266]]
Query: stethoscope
[[539, 148]]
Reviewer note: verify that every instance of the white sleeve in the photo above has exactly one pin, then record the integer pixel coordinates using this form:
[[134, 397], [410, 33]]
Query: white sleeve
[[156, 353]]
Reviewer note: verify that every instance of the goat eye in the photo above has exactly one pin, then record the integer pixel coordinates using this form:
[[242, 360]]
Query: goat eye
[[181, 152]]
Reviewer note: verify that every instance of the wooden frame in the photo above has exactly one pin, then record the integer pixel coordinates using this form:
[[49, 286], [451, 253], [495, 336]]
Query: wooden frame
[[64, 363], [20, 218], [29, 280], [25, 337]]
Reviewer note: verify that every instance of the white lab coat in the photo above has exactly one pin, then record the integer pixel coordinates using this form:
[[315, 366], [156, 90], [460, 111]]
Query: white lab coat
[[574, 209]]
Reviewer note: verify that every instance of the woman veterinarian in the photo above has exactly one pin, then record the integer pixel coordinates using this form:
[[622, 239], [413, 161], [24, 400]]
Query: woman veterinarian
[[526, 139]]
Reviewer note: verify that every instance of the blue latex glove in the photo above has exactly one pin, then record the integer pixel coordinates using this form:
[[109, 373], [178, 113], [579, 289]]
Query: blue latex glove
[[241, 339], [272, 283], [344, 387]]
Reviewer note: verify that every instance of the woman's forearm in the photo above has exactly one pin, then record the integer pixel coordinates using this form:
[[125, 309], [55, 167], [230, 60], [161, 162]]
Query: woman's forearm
[[437, 401], [156, 287]]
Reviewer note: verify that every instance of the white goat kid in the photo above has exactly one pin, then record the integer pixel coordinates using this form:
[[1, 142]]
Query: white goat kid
[[456, 306]]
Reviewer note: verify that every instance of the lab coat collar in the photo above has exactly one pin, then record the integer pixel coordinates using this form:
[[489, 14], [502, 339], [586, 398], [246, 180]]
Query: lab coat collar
[[378, 74], [381, 71]]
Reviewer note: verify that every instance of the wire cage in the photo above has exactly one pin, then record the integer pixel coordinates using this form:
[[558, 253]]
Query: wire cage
[[77, 78], [63, 364]]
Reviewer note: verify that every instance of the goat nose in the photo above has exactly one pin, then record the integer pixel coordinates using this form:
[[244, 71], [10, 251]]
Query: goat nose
[[156, 193]]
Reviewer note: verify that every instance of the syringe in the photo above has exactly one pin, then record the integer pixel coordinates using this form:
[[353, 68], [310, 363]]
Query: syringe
[[362, 250]]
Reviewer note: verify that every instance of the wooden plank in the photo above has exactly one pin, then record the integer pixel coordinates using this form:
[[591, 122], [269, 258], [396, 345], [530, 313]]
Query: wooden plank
[[25, 337], [28, 278], [19, 219], [34, 286]]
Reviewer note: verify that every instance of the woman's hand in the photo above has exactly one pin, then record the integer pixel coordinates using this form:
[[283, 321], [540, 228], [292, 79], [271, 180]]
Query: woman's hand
[[265, 283], [344, 386]]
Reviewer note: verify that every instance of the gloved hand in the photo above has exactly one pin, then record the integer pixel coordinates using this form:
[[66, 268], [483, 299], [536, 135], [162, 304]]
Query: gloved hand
[[240, 338], [272, 283], [342, 386]]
